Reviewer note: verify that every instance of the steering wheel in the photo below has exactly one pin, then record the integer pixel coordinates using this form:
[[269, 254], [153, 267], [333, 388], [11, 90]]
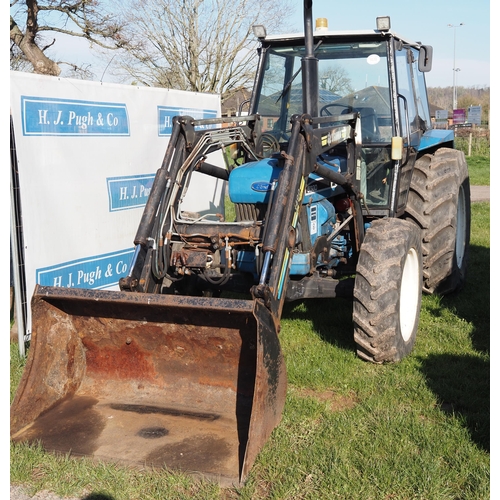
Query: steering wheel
[[327, 110], [268, 143]]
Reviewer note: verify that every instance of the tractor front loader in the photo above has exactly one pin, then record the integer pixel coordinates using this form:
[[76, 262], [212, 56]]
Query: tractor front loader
[[332, 195]]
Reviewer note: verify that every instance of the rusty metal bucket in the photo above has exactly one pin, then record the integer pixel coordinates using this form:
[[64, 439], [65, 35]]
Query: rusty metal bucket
[[188, 383]]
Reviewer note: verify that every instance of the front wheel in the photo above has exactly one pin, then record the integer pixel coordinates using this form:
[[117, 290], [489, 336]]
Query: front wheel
[[388, 291]]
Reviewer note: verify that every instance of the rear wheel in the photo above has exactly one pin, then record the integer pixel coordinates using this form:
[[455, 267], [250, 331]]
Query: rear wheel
[[439, 204], [388, 291]]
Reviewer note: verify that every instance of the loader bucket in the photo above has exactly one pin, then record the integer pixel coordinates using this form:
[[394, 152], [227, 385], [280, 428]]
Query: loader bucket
[[193, 384]]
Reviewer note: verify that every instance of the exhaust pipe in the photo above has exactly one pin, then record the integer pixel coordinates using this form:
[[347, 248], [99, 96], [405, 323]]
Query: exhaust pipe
[[310, 79]]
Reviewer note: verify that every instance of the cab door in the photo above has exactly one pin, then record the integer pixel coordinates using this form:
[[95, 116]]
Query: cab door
[[414, 115]]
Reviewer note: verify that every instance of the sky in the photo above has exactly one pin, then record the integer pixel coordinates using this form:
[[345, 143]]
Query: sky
[[425, 21], [466, 47]]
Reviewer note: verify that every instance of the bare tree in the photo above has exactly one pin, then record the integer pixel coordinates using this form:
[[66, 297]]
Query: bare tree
[[336, 80], [32, 21], [196, 45], [18, 61]]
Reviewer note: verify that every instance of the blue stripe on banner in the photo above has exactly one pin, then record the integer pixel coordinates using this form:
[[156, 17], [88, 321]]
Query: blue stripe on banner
[[127, 192], [60, 117], [167, 113], [100, 271]]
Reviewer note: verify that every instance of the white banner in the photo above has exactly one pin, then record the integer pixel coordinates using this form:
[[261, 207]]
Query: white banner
[[87, 154]]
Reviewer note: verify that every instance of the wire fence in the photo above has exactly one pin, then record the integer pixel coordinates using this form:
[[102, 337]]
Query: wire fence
[[473, 141]]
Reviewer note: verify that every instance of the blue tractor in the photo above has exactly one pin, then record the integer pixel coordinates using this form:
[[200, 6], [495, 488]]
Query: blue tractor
[[337, 185]]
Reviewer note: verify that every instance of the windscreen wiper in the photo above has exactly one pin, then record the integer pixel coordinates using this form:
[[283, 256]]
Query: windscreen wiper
[[289, 84]]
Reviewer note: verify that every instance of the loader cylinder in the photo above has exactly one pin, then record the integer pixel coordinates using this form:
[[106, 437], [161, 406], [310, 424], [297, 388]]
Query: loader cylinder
[[158, 189], [281, 196]]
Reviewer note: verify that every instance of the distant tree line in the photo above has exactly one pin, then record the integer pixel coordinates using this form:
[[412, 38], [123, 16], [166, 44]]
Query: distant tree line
[[442, 97]]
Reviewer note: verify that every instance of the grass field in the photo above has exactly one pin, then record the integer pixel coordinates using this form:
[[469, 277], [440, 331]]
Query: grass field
[[419, 429], [479, 170]]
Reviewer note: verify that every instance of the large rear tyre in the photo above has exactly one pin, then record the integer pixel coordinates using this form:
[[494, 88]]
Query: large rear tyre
[[388, 291], [439, 204]]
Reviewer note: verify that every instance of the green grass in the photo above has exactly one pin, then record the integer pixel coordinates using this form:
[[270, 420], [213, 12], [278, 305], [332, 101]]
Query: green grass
[[479, 170], [418, 429]]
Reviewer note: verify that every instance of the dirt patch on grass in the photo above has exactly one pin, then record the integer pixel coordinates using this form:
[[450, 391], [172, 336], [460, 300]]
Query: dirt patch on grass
[[335, 401]]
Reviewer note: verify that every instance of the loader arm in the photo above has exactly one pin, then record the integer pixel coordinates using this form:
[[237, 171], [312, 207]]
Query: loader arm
[[186, 150], [306, 144]]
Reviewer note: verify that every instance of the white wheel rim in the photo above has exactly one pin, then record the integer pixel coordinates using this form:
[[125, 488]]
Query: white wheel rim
[[461, 228], [410, 290]]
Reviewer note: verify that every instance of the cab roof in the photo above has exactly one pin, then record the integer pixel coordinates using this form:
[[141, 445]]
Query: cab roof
[[347, 34]]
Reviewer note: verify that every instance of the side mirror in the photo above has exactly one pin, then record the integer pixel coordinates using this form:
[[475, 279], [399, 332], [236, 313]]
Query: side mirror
[[425, 58]]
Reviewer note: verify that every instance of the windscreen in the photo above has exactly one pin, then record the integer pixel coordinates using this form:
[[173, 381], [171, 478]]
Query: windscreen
[[352, 77]]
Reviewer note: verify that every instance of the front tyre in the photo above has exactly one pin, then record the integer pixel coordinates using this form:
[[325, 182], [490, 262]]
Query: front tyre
[[388, 291]]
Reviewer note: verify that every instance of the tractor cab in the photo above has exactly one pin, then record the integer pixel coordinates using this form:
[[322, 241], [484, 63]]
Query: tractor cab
[[377, 75]]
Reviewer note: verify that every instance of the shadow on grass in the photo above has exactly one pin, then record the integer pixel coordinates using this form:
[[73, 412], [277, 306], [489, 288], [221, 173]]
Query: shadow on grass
[[473, 303], [98, 496], [462, 382], [462, 387], [331, 318]]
